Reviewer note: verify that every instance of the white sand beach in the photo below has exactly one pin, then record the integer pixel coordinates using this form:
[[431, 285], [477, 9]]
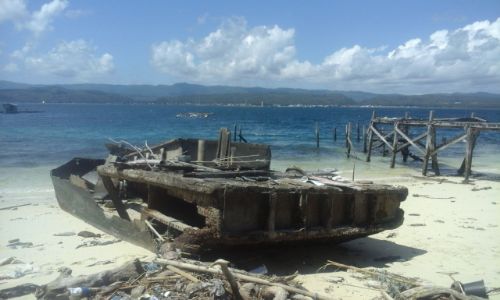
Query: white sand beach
[[449, 228]]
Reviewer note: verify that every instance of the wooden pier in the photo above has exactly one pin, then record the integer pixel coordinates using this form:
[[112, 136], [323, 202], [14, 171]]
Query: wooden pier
[[395, 134]]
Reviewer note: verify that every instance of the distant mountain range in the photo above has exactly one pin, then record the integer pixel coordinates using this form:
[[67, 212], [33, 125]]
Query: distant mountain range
[[185, 93]]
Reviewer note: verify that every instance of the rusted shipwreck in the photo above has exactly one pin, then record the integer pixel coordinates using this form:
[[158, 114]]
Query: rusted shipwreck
[[205, 194]]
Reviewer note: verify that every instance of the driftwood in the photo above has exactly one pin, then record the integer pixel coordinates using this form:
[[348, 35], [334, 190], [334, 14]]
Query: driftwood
[[153, 230], [58, 287], [372, 273], [426, 292], [14, 206], [18, 291], [183, 273], [242, 277], [229, 276]]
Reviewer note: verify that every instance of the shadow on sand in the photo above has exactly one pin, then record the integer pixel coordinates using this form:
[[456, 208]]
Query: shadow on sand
[[307, 259]]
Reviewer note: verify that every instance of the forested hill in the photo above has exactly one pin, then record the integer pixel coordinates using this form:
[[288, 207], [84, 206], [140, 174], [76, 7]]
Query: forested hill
[[184, 93]]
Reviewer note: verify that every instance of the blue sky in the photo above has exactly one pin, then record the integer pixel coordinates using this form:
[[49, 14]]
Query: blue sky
[[381, 46]]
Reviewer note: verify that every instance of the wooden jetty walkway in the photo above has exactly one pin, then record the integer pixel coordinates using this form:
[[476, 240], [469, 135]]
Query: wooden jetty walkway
[[395, 134]]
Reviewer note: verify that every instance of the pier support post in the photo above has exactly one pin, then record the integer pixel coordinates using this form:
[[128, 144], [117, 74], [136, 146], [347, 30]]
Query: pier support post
[[466, 167], [370, 138], [428, 144], [235, 131], [335, 134], [364, 139], [394, 145], [358, 137], [348, 140]]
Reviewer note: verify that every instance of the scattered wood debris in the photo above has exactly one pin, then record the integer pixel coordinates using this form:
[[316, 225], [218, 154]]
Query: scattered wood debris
[[175, 279], [476, 189], [394, 286]]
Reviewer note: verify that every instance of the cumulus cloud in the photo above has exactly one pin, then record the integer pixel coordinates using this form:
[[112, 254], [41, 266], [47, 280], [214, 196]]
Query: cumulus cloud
[[12, 10], [466, 57], [70, 60], [232, 51], [41, 19], [37, 21]]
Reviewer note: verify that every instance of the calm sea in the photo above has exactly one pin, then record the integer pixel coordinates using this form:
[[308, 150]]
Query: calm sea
[[62, 131]]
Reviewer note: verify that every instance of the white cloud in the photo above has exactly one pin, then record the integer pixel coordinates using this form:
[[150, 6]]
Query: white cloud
[[465, 58], [232, 51], [37, 21], [71, 60], [12, 10], [41, 19]]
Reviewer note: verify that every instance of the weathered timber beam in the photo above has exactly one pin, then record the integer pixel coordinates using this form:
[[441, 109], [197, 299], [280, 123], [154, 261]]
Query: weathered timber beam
[[430, 143], [166, 220], [271, 219], [451, 142], [394, 145], [160, 179], [370, 143], [471, 140], [304, 209], [410, 141], [115, 197], [382, 138]]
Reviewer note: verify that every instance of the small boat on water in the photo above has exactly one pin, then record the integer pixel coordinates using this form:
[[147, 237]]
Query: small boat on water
[[194, 115], [205, 194]]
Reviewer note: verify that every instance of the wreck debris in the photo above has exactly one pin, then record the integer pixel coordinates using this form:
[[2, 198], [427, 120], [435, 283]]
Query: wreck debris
[[207, 194]]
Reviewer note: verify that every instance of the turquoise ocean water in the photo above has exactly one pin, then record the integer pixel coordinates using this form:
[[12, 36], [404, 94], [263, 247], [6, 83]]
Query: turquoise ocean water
[[32, 143]]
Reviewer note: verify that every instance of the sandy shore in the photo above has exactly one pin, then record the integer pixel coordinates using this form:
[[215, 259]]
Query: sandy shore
[[449, 228]]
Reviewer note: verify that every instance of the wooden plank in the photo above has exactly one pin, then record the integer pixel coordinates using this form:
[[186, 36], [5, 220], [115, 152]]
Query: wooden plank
[[271, 219], [115, 197], [166, 220], [428, 146], [382, 138], [304, 211], [468, 152], [370, 143], [434, 163], [451, 142], [394, 145], [410, 141], [360, 211]]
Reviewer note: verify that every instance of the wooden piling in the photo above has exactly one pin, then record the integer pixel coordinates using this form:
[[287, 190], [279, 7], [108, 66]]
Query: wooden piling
[[358, 137], [335, 134], [430, 147], [235, 131], [348, 139], [201, 150], [428, 144], [394, 145], [364, 139], [370, 137]]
